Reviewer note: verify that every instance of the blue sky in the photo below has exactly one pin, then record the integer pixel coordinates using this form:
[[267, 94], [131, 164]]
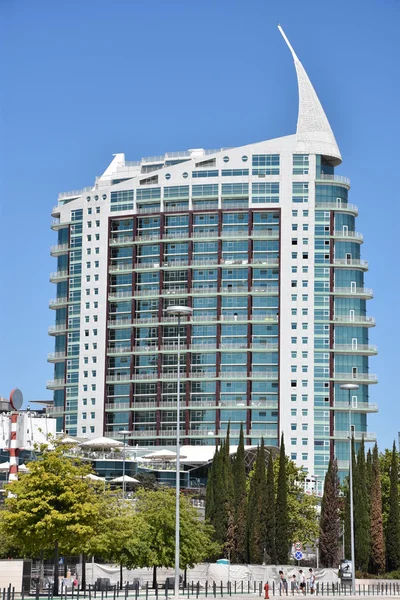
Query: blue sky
[[84, 79]]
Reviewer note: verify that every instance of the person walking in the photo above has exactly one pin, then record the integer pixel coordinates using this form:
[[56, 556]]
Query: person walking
[[312, 581], [293, 585], [283, 586], [302, 582]]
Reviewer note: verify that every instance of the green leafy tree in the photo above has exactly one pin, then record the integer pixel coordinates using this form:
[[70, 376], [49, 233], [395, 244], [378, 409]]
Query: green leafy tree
[[240, 502], [270, 515], [393, 520], [377, 555], [54, 508], [157, 508], [282, 515], [361, 512], [330, 521]]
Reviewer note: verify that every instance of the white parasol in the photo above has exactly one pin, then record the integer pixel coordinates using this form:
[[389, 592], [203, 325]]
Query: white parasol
[[101, 442]]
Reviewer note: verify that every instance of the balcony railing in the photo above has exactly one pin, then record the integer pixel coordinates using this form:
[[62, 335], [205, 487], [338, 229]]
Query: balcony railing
[[59, 248], [358, 435], [56, 356], [350, 262], [58, 301], [341, 207], [353, 235], [360, 407], [353, 291], [359, 348], [334, 178], [53, 384], [356, 377], [357, 320]]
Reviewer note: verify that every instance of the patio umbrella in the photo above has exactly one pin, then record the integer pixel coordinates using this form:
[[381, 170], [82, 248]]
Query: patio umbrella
[[163, 455], [5, 466], [94, 477], [68, 440], [125, 478], [102, 442], [23, 469]]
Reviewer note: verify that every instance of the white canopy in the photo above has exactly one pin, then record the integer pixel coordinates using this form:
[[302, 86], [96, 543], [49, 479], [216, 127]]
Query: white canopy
[[101, 442], [125, 478], [23, 469], [68, 440], [163, 455], [5, 466], [94, 477]]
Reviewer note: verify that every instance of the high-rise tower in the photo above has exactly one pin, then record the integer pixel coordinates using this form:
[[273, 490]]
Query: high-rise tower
[[260, 241]]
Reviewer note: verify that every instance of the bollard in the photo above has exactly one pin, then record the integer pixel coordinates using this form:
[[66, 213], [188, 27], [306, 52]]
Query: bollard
[[222, 590], [215, 589], [235, 586], [206, 588], [197, 589], [241, 587], [136, 590], [147, 590]]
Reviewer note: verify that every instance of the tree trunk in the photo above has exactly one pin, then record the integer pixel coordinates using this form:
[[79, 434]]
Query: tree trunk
[[83, 580], [154, 577], [55, 583], [120, 576]]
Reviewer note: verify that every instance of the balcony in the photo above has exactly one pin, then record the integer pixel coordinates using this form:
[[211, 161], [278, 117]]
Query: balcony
[[58, 276], [56, 329], [353, 236], [56, 410], [125, 240], [358, 435], [59, 249], [333, 179], [360, 378], [55, 384], [266, 433], [58, 302], [55, 211], [53, 357], [365, 349], [350, 263], [356, 292], [362, 407], [354, 320], [56, 224], [339, 207], [74, 193]]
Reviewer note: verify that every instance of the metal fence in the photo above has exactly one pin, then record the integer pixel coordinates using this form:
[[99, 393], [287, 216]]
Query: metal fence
[[133, 591]]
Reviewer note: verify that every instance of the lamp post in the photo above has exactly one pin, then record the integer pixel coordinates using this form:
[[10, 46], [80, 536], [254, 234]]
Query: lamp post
[[178, 311], [351, 387], [124, 434]]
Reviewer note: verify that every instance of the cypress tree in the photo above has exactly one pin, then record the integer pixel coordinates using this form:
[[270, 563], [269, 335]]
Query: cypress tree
[[361, 512], [330, 526], [377, 556], [240, 502], [393, 521], [368, 467], [281, 518], [346, 520], [256, 510], [270, 515]]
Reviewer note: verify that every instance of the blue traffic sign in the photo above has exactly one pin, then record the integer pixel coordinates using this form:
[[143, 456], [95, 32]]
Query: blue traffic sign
[[298, 555]]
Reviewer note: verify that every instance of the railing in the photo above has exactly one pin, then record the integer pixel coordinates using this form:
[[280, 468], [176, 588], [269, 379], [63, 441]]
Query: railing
[[56, 356], [56, 409], [58, 248], [357, 348], [126, 239], [74, 193], [56, 328], [58, 275], [358, 435], [55, 209], [360, 407], [345, 207], [356, 377], [54, 383], [349, 291], [350, 262], [355, 235], [355, 319], [58, 301], [336, 178]]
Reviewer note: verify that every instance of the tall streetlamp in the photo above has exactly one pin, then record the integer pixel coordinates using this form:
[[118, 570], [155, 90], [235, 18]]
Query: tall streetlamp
[[351, 387], [178, 311], [124, 434]]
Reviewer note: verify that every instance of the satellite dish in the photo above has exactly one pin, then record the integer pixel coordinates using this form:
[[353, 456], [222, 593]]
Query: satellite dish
[[16, 399]]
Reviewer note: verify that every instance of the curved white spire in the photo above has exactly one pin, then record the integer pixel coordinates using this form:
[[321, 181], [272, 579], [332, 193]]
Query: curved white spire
[[314, 134]]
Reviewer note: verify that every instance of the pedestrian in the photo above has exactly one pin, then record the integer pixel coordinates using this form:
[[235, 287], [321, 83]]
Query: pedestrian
[[312, 581], [302, 581], [293, 585], [283, 586]]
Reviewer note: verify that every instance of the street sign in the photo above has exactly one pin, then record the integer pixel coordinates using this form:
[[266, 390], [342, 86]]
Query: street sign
[[298, 555], [298, 546]]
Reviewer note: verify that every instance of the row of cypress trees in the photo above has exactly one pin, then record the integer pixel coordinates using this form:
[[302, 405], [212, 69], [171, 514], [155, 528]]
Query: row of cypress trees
[[376, 550], [249, 515]]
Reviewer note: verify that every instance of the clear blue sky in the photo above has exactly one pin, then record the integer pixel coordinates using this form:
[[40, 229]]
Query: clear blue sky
[[83, 79]]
